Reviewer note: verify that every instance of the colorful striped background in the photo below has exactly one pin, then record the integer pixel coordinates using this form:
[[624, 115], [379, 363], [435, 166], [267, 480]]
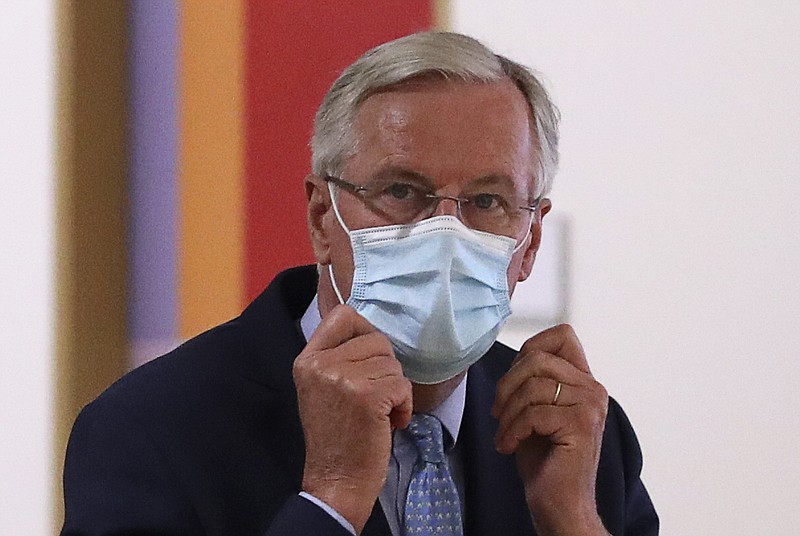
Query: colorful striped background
[[183, 130], [222, 98]]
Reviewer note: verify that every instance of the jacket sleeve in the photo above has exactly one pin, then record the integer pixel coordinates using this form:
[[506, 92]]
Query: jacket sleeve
[[116, 482], [301, 517], [619, 476]]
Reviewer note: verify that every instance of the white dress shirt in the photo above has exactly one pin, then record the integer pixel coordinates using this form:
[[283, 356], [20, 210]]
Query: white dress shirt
[[404, 453]]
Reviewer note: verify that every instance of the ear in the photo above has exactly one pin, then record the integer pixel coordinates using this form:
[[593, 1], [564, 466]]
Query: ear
[[319, 203], [536, 239]]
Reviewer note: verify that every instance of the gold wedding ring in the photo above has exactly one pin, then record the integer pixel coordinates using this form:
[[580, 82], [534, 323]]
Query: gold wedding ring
[[558, 392]]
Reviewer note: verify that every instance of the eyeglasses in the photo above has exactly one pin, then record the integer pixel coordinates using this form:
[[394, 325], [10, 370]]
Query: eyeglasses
[[400, 201]]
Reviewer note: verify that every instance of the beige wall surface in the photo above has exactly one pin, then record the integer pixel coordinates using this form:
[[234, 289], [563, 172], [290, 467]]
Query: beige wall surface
[[681, 178], [62, 248], [27, 264]]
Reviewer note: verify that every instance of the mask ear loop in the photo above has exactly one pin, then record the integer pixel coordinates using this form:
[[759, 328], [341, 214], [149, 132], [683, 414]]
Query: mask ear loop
[[335, 286], [527, 234], [519, 246], [341, 222], [336, 209]]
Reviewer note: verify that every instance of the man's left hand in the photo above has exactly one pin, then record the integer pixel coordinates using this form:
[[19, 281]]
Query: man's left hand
[[556, 437]]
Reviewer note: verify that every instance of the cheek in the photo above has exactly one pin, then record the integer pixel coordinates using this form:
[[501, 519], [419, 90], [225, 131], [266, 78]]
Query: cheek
[[514, 271], [341, 255]]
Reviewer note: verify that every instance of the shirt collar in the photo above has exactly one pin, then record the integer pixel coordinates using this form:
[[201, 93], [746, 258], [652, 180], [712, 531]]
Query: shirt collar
[[448, 412]]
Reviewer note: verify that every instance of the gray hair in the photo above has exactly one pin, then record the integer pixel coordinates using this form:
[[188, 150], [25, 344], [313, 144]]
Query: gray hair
[[444, 54]]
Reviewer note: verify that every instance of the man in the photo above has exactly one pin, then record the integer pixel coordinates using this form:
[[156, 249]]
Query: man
[[368, 396]]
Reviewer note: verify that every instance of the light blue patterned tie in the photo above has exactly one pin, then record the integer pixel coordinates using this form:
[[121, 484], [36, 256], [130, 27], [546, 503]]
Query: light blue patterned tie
[[432, 504]]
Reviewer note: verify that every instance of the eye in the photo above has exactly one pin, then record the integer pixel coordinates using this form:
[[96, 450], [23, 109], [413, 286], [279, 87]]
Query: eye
[[402, 191], [486, 201]]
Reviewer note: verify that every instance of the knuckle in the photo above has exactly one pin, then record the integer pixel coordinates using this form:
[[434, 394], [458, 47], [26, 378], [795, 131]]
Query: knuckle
[[527, 347], [343, 314], [403, 387], [381, 343], [599, 392], [532, 387], [336, 315], [341, 310], [602, 392], [549, 366], [351, 386], [565, 330], [502, 385], [397, 369], [408, 384], [533, 360], [302, 365], [593, 418]]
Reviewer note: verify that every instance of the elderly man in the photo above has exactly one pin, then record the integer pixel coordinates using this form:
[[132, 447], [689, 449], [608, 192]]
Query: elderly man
[[367, 395]]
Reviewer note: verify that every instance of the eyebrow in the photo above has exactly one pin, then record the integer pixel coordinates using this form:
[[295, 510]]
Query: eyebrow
[[402, 172], [405, 173], [493, 179], [505, 180]]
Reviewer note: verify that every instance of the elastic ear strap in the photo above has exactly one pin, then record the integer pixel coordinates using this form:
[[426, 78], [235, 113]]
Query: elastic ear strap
[[335, 286], [341, 222], [519, 246], [336, 209]]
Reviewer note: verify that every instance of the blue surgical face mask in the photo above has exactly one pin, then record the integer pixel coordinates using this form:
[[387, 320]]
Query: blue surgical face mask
[[437, 289]]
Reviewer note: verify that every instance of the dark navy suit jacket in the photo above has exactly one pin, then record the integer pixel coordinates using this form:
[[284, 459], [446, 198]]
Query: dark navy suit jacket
[[207, 440]]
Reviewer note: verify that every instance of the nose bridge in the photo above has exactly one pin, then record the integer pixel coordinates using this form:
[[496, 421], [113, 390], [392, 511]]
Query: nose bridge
[[446, 205]]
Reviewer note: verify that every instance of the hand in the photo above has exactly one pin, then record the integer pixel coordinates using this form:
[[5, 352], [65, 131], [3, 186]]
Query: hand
[[557, 445], [351, 393]]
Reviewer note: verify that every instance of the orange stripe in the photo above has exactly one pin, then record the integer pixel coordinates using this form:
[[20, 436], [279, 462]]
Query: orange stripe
[[442, 14], [210, 287]]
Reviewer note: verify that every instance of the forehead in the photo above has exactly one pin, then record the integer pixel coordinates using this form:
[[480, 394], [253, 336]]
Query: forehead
[[453, 132]]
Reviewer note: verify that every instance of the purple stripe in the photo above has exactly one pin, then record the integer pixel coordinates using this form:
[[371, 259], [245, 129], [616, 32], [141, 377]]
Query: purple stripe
[[153, 238]]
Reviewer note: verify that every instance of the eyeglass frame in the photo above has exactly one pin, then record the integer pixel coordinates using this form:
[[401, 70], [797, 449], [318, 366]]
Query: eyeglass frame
[[357, 188]]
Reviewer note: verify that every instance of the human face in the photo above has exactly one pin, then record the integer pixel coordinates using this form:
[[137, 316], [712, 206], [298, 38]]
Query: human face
[[456, 135]]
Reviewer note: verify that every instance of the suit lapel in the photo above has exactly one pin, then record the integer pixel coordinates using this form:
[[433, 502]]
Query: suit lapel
[[495, 500]]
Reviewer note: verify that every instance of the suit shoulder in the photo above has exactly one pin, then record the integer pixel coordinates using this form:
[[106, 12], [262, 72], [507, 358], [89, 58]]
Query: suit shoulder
[[181, 374], [619, 433]]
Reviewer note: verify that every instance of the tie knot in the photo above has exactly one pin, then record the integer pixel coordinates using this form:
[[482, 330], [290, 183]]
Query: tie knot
[[426, 431]]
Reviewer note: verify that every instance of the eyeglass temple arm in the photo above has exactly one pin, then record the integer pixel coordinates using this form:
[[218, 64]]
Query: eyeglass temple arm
[[349, 186], [533, 207]]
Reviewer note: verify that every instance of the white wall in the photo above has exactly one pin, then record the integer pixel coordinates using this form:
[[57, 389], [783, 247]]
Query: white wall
[[681, 174], [27, 182]]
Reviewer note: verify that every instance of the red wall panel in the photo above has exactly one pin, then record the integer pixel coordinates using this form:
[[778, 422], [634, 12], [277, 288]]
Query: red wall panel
[[294, 51]]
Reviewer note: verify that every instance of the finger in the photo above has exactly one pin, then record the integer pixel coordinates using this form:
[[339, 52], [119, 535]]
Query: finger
[[562, 341], [362, 347], [332, 363], [380, 380], [535, 363], [535, 391], [403, 403], [542, 420], [341, 324], [373, 367]]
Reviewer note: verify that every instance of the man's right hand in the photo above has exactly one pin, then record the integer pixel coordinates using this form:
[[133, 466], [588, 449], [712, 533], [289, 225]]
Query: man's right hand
[[351, 393]]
